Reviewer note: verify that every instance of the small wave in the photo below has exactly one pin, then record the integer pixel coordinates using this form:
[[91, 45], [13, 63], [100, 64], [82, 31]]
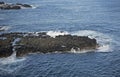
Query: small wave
[[104, 48], [9, 66], [56, 33], [102, 39], [4, 28], [34, 6]]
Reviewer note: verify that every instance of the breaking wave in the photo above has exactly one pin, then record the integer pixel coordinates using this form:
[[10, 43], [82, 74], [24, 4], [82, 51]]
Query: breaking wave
[[103, 40], [4, 28], [11, 64], [56, 33], [12, 59], [34, 6]]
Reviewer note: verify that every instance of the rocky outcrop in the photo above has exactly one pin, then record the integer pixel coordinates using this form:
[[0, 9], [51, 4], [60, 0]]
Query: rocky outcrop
[[7, 6], [42, 43], [5, 47], [2, 2]]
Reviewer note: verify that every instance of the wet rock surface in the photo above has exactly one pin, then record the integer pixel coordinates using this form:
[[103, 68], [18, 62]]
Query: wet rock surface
[[5, 46], [43, 43], [9, 6]]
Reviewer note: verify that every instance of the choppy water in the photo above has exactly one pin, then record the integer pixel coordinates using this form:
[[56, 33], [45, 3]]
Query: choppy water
[[98, 19]]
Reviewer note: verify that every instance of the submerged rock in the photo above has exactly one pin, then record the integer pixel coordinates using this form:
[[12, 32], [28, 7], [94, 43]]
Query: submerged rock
[[42, 43]]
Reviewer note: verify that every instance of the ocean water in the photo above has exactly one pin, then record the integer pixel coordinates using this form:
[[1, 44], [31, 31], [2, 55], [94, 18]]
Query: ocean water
[[98, 19]]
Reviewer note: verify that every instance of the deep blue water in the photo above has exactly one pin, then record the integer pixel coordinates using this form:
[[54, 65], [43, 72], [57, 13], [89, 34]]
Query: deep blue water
[[97, 18]]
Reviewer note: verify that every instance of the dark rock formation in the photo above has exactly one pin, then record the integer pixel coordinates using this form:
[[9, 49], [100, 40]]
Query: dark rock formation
[[6, 6], [2, 2], [5, 51], [5, 47], [42, 43], [24, 5]]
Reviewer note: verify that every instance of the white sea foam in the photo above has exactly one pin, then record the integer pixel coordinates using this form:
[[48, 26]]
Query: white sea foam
[[12, 58], [8, 68], [103, 40], [34, 6], [56, 33], [104, 48], [15, 41], [79, 51], [4, 28]]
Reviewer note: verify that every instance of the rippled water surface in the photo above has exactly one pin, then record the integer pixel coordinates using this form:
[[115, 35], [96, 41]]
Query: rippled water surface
[[98, 19]]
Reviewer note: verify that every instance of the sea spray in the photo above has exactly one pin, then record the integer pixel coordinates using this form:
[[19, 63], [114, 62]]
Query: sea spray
[[56, 33], [12, 58], [103, 40]]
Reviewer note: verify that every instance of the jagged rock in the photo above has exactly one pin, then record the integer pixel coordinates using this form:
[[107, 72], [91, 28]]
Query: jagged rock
[[6, 51], [5, 47], [42, 43]]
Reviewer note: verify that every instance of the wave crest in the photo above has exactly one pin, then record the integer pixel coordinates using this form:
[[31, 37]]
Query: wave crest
[[4, 28]]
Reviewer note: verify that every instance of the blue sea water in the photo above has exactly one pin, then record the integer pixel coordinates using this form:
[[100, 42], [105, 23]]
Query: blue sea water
[[95, 18]]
